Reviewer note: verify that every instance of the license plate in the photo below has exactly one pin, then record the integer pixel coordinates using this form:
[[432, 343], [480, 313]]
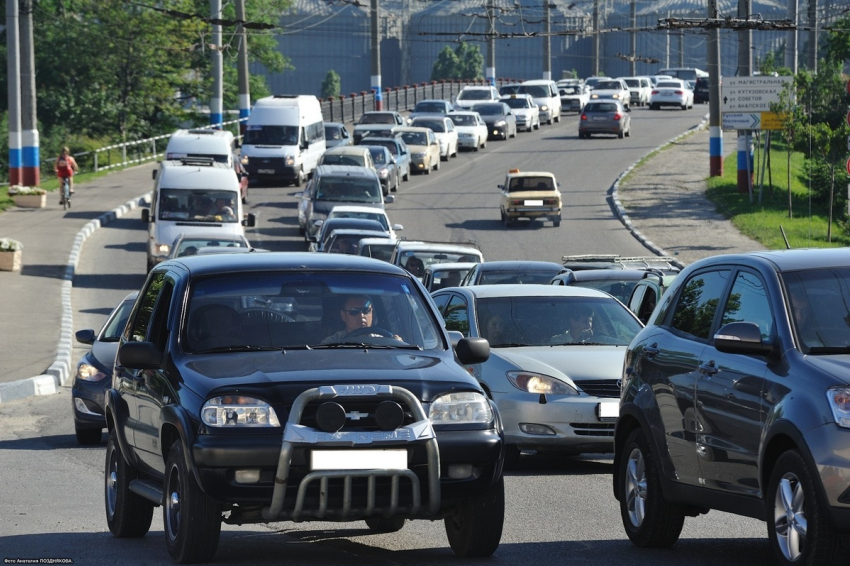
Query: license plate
[[608, 410], [600, 118], [358, 460], [534, 203], [265, 171]]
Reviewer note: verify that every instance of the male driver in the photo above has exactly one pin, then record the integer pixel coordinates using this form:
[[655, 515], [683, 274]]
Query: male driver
[[356, 313], [580, 328]]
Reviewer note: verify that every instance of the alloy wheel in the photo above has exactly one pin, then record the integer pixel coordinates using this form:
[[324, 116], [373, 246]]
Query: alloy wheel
[[636, 487], [789, 517]]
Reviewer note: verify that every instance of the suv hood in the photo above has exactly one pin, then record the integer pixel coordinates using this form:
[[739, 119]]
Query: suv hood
[[427, 376], [836, 366], [574, 362]]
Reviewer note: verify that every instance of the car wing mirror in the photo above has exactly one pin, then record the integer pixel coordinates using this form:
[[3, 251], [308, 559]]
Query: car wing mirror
[[398, 227], [741, 338], [389, 199], [139, 355], [86, 336], [472, 351], [250, 220], [153, 174]]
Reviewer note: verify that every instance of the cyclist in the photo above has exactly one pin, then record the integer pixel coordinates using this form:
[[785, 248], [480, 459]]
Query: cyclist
[[65, 167]]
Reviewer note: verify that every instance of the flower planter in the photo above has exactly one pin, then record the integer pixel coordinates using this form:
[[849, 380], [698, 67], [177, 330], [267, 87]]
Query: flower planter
[[30, 201], [10, 261]]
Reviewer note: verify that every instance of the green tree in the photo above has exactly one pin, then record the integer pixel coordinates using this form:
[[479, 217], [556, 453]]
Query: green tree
[[470, 62], [446, 66], [331, 85]]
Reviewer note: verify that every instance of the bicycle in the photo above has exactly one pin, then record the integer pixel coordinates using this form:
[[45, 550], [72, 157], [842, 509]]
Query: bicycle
[[66, 193]]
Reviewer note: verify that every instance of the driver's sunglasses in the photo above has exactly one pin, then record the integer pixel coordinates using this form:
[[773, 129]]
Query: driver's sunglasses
[[359, 310]]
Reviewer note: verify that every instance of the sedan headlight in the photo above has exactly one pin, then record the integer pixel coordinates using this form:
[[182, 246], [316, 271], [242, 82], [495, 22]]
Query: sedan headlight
[[163, 249], [235, 410], [460, 408], [839, 401], [289, 161], [500, 123], [88, 372], [539, 383]]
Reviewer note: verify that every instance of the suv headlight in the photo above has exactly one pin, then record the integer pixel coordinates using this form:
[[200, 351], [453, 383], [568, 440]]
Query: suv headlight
[[544, 108], [163, 249], [289, 161], [500, 123], [88, 372], [532, 382], [235, 410], [839, 402], [460, 408]]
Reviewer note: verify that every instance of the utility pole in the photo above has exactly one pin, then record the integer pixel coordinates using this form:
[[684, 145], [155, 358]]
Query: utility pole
[[595, 38], [681, 48], [216, 100], [376, 57], [547, 43], [745, 68], [791, 38], [633, 38], [667, 46], [31, 172], [242, 69], [715, 143], [813, 36], [13, 71], [490, 69]]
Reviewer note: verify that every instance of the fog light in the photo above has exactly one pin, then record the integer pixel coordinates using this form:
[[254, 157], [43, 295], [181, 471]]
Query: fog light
[[389, 415], [529, 428], [83, 408], [330, 417], [247, 476], [460, 471]]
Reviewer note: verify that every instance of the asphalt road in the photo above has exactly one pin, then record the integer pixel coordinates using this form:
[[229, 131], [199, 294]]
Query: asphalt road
[[559, 510]]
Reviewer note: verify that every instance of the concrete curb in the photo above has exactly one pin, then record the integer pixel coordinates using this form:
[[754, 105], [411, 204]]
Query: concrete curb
[[621, 211], [59, 372]]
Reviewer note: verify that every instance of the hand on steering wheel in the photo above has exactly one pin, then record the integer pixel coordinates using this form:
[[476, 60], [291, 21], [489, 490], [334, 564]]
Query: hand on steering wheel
[[370, 330]]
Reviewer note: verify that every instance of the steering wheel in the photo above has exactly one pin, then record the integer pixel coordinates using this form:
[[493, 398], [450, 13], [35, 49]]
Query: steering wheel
[[370, 330]]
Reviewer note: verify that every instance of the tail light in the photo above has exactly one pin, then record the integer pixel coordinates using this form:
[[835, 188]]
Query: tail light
[[679, 92], [516, 203], [617, 116], [550, 201], [584, 116], [655, 92]]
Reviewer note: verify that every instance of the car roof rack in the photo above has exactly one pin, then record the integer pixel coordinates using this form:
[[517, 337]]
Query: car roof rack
[[197, 160], [656, 261], [470, 243]]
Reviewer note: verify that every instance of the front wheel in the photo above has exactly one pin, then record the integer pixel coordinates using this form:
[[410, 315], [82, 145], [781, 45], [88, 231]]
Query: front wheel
[[192, 520], [475, 529], [299, 177], [128, 515], [649, 520], [799, 533]]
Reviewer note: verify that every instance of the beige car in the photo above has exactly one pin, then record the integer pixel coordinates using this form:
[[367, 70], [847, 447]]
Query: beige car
[[424, 148], [532, 195]]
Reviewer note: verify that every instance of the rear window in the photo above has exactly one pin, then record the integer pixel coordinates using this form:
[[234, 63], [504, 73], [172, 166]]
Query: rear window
[[349, 190], [536, 91], [377, 119], [433, 125], [601, 108], [433, 107], [477, 94]]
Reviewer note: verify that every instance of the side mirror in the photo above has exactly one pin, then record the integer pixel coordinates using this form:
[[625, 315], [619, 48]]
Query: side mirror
[[146, 215], [398, 227], [471, 351], [299, 195], [139, 355], [153, 174], [389, 199], [250, 220], [86, 336], [741, 338]]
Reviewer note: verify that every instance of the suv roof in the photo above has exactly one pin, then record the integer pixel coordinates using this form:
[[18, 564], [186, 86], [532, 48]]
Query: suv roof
[[346, 171], [615, 261]]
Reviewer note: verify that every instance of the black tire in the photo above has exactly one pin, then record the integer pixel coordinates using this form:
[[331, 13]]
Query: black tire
[[406, 176], [437, 165], [506, 220], [446, 158], [428, 169], [512, 455], [621, 135], [297, 181], [537, 127], [556, 222], [629, 132], [475, 529], [549, 122], [819, 544], [649, 520], [192, 520], [88, 436], [558, 118], [128, 515], [385, 524]]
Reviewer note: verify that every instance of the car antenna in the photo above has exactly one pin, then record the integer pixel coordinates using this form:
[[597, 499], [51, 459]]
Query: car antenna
[[784, 237]]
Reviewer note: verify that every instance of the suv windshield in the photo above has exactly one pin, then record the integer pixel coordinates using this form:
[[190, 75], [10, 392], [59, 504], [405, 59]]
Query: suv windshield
[[518, 102], [608, 85], [536, 91], [819, 303], [431, 107], [476, 94], [290, 310]]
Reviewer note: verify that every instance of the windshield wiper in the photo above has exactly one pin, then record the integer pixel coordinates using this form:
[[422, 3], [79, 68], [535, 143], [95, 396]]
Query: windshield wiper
[[580, 344], [355, 345], [829, 350], [509, 345], [235, 348]]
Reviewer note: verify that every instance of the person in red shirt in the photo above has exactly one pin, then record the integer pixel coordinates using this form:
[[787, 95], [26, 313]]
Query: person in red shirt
[[65, 167]]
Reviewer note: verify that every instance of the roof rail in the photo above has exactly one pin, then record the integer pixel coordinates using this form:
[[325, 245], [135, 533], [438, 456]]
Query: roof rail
[[646, 261], [197, 160]]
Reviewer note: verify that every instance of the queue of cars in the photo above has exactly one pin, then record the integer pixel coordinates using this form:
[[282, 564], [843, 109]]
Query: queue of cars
[[722, 387]]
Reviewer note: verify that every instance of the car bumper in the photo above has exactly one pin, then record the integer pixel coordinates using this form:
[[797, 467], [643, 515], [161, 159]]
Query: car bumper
[[498, 132], [546, 116], [533, 212], [830, 450], [87, 402], [605, 128], [470, 141], [419, 164], [261, 171], [571, 105], [573, 422], [667, 102]]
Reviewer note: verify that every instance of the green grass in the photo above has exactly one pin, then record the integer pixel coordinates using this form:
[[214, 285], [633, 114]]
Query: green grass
[[807, 228]]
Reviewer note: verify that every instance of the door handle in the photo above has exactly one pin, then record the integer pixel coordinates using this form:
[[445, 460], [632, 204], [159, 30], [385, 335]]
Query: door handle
[[708, 369], [650, 351]]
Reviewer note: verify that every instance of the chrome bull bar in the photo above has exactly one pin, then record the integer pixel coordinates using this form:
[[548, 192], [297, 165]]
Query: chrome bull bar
[[296, 434]]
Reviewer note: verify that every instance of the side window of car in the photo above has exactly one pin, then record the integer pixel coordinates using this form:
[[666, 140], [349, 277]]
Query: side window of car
[[457, 315], [149, 324], [440, 300], [697, 303], [748, 302]]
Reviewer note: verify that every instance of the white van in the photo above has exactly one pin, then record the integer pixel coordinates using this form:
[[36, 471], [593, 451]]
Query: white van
[[202, 142], [546, 97], [192, 195], [284, 138]]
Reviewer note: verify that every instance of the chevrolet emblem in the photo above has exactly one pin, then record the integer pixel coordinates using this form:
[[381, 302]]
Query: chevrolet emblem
[[356, 415]]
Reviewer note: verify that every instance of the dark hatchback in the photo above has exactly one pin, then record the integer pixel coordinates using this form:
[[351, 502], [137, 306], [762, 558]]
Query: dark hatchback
[[736, 397], [501, 122], [224, 409], [94, 372]]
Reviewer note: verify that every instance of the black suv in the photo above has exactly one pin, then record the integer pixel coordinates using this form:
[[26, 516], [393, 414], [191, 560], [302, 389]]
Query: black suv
[[701, 91], [736, 397], [266, 387]]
